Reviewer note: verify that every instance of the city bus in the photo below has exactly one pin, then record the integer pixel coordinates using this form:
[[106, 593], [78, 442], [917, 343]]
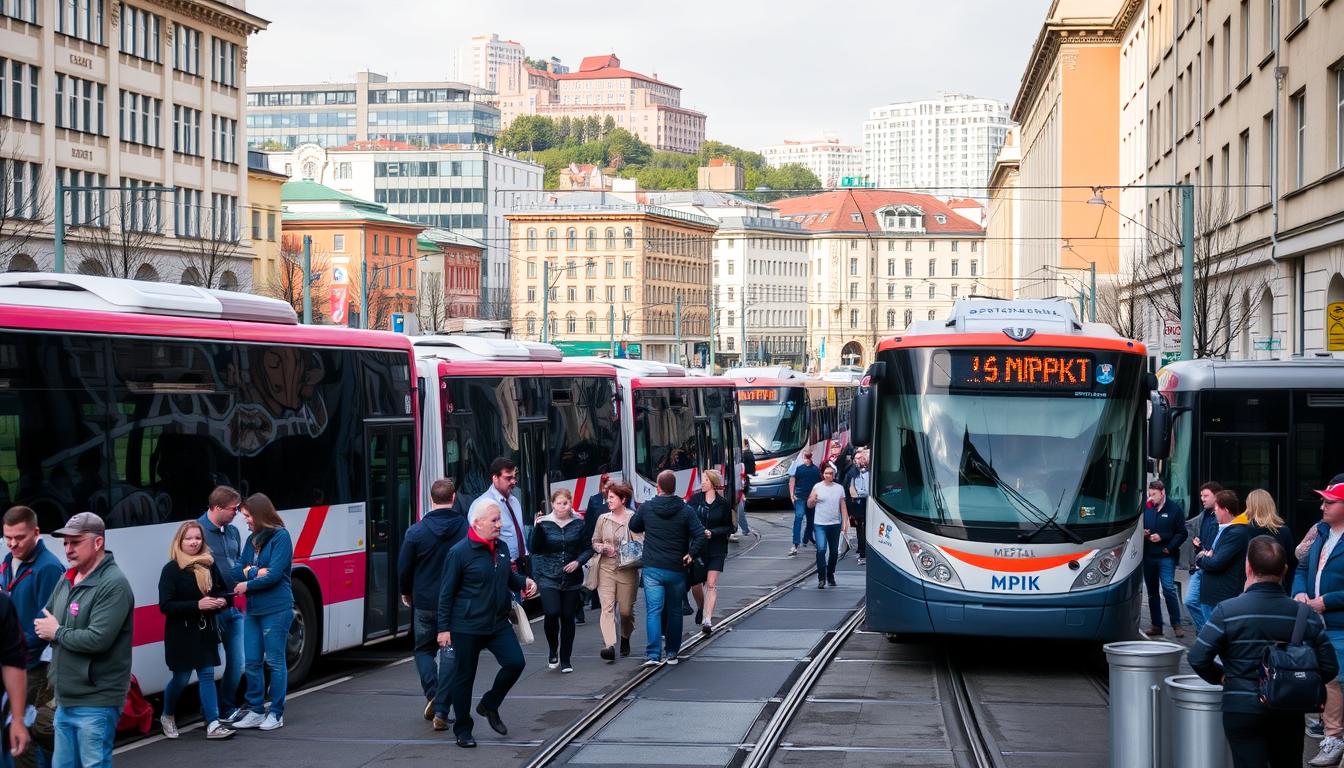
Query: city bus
[[134, 400], [484, 398], [784, 412], [1008, 475], [671, 420], [1270, 424]]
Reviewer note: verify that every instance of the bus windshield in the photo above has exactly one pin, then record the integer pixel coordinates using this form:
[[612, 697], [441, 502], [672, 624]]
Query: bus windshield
[[1009, 462], [774, 419]]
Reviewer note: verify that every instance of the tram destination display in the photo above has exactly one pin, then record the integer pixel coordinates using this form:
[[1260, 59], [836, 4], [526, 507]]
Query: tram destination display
[[998, 369]]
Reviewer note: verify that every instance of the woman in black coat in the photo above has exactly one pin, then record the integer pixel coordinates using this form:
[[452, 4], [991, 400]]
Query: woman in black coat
[[191, 594], [560, 545], [716, 514], [1262, 516]]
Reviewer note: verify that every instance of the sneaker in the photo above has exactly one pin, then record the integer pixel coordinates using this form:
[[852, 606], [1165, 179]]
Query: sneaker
[[429, 709], [553, 662], [673, 661], [651, 663], [272, 722], [169, 725], [793, 550], [1331, 749], [861, 560], [734, 537], [249, 720], [233, 716], [566, 668], [218, 730], [706, 628], [821, 585], [1316, 729]]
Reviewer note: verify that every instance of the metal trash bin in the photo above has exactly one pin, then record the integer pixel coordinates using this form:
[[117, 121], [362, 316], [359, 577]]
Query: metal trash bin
[[1138, 669], [1193, 717]]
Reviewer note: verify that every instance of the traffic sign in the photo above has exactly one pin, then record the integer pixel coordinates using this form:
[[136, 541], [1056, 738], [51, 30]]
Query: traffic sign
[[1269, 345], [1170, 357], [1334, 326]]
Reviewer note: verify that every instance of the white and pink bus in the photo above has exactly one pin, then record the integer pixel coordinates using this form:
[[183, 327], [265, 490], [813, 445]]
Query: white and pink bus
[[134, 400]]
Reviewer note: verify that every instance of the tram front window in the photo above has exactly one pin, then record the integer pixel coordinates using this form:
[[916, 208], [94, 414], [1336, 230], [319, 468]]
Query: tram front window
[[1009, 463], [774, 419]]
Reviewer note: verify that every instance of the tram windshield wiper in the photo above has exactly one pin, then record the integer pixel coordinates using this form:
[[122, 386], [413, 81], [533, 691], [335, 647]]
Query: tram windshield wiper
[[1045, 520]]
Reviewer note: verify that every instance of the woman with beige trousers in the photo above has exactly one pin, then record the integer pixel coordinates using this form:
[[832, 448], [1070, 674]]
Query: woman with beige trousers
[[615, 586]]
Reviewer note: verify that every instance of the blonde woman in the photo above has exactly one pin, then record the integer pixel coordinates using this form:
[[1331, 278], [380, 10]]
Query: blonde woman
[[615, 586], [716, 514], [192, 592], [1264, 520]]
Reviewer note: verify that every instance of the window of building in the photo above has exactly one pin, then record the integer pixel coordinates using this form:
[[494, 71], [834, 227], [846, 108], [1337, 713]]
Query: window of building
[[930, 290], [186, 49], [891, 319], [909, 317], [1299, 102], [140, 34], [628, 268], [141, 118], [590, 239], [930, 246], [954, 266], [80, 105], [531, 294], [853, 318], [853, 291], [590, 293], [909, 245], [931, 314], [571, 239], [552, 239], [909, 267], [19, 89], [956, 245], [345, 171], [186, 130], [591, 322], [531, 269], [338, 243], [82, 19], [975, 268], [224, 217], [891, 267], [1339, 117], [954, 290], [256, 224], [611, 293], [610, 239], [224, 62], [225, 139], [629, 237], [891, 291], [531, 238], [270, 227], [571, 294], [909, 292], [188, 212], [626, 293], [853, 266], [933, 264], [23, 10]]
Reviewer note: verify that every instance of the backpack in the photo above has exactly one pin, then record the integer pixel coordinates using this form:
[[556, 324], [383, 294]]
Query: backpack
[[1290, 679]]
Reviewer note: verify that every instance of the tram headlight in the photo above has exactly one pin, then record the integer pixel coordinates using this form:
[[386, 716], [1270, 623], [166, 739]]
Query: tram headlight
[[780, 469], [1102, 568], [930, 563]]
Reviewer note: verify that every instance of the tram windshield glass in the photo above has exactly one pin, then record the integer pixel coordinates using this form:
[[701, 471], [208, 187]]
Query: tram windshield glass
[[1005, 443], [774, 419]]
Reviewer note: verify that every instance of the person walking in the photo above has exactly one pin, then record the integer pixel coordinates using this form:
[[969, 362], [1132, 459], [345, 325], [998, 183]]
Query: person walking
[[594, 509], [827, 500], [802, 476], [420, 574], [87, 622], [192, 594], [748, 471], [475, 603], [1163, 534], [29, 575], [559, 551], [1206, 528], [263, 573], [857, 482], [616, 586], [716, 515], [503, 479], [226, 545], [1319, 582], [1262, 515], [673, 537], [1222, 563], [14, 674], [1229, 653]]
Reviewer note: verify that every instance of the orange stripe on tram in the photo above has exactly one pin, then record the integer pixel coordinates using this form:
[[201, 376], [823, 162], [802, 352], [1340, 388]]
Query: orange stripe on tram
[[1014, 564]]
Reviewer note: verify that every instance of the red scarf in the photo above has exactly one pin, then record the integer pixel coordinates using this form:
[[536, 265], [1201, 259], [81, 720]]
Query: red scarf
[[472, 535]]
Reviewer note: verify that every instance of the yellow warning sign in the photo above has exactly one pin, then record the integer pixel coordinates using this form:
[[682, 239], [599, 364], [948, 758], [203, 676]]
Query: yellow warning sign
[[1334, 327]]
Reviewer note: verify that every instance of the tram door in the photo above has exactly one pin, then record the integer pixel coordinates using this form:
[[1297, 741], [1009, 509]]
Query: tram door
[[533, 472], [1244, 462], [390, 510]]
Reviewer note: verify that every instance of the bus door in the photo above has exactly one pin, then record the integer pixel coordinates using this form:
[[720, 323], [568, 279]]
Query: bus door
[[390, 510], [533, 471], [1245, 461]]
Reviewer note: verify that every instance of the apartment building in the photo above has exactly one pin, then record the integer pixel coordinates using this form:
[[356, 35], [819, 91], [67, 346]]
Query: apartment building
[[480, 60], [118, 101], [944, 146], [831, 161]]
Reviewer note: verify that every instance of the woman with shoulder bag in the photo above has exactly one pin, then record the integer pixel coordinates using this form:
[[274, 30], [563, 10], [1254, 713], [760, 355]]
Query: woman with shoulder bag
[[559, 551], [263, 571], [716, 514], [615, 585], [191, 594]]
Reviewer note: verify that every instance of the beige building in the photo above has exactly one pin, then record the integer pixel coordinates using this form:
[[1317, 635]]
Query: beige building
[[615, 271], [642, 104], [878, 260], [1003, 249], [129, 95], [267, 227]]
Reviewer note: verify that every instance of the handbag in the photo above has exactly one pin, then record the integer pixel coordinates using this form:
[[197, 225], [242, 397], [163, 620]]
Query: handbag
[[630, 554], [590, 574], [1290, 678], [521, 626]]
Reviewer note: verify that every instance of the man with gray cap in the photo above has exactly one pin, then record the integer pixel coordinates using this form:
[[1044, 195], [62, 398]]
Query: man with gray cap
[[88, 623]]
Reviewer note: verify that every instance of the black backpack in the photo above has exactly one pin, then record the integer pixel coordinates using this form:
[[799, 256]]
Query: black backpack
[[1290, 679]]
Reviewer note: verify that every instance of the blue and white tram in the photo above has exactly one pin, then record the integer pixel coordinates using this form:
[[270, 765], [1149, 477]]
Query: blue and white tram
[[1008, 456]]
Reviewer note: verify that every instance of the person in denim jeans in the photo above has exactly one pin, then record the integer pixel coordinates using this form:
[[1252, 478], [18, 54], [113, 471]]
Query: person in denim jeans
[[263, 578], [673, 536], [802, 476], [226, 545], [1205, 529]]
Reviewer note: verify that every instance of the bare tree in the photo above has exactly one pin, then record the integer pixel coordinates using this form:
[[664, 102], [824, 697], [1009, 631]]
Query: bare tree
[[118, 232], [381, 299], [286, 280], [1227, 286], [206, 258], [24, 216], [1119, 302], [495, 304], [431, 304]]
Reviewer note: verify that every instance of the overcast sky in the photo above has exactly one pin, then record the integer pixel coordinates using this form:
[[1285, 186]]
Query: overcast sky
[[762, 72]]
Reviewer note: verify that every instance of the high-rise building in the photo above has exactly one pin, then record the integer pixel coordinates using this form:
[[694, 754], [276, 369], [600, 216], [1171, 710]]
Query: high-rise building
[[370, 109], [119, 101], [464, 190], [830, 160], [642, 104], [944, 146], [480, 60]]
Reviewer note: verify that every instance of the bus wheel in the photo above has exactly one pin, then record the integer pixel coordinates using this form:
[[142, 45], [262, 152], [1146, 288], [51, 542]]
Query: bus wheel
[[301, 646]]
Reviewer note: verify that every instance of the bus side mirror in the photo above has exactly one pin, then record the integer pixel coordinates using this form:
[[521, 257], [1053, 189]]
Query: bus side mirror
[[1159, 427], [865, 405]]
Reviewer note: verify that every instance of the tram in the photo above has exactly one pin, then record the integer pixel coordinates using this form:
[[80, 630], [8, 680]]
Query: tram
[[784, 412], [1007, 451]]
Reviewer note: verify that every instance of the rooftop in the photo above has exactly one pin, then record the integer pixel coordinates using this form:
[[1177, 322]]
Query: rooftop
[[851, 210], [340, 206], [601, 68]]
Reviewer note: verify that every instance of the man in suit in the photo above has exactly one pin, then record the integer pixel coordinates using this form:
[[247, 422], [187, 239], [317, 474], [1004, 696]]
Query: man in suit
[[1163, 535]]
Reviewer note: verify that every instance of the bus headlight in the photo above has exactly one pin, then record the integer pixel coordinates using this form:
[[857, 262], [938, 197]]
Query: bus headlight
[[931, 564], [782, 468], [1103, 566]]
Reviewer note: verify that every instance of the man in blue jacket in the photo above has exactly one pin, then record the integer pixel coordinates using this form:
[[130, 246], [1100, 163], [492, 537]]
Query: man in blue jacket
[[1222, 565], [1164, 533], [420, 575], [1206, 527], [29, 575], [1319, 582], [226, 546], [673, 536]]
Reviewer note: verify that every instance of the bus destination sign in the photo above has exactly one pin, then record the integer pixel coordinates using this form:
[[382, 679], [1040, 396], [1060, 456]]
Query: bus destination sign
[[985, 369], [758, 395]]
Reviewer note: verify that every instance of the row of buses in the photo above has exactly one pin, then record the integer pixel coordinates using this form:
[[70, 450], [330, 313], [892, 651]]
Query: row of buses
[[135, 399]]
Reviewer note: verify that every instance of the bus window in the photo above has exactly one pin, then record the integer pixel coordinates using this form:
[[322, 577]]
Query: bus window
[[483, 415], [668, 431], [584, 438]]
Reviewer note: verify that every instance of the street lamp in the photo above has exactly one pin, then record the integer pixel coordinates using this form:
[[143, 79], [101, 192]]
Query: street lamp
[[1187, 254], [61, 189], [1092, 280]]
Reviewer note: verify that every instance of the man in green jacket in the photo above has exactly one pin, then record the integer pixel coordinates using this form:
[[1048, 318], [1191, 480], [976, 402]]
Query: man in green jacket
[[88, 623]]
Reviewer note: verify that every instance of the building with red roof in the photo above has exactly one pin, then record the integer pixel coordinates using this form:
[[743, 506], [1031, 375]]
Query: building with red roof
[[642, 104]]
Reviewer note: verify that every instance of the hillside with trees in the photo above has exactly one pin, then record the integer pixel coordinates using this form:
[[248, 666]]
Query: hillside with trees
[[589, 141]]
